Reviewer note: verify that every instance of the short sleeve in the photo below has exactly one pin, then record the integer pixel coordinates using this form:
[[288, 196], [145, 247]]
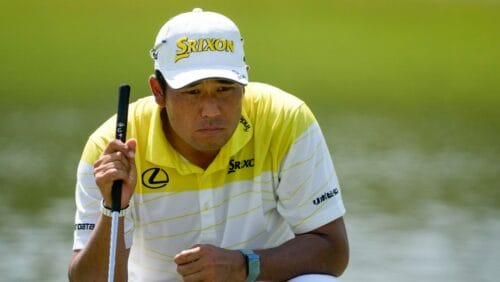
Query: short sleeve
[[308, 190], [88, 199]]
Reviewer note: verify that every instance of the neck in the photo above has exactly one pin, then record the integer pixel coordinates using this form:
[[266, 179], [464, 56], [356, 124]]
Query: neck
[[199, 158]]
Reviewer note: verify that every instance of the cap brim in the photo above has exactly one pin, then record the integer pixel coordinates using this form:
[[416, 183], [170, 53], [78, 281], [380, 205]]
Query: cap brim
[[179, 79]]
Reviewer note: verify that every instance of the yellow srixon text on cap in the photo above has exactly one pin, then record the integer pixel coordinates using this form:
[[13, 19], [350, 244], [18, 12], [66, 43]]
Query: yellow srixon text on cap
[[187, 46]]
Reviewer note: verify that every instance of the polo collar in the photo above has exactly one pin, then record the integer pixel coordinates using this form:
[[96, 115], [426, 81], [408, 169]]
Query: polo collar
[[160, 152]]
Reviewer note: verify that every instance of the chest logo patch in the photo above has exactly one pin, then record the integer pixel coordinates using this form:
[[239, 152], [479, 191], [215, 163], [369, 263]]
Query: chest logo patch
[[155, 178], [236, 165]]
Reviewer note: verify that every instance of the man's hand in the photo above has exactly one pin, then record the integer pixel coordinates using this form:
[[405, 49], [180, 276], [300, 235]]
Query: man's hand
[[117, 162], [210, 263]]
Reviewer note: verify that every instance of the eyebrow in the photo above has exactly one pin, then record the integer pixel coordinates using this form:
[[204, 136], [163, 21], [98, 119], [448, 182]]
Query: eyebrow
[[225, 81], [221, 81]]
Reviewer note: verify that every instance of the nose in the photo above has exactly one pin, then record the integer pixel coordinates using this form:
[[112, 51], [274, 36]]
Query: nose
[[210, 107]]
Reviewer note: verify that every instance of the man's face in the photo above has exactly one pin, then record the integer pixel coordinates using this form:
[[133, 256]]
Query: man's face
[[204, 114]]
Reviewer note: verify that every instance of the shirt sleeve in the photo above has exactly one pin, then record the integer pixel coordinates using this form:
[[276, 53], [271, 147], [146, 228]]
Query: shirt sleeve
[[308, 190], [88, 198]]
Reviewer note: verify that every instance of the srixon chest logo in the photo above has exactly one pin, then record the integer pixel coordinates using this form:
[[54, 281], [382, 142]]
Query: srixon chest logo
[[154, 178], [326, 196], [236, 165], [245, 123]]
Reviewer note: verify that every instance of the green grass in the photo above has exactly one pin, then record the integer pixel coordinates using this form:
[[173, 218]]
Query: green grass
[[351, 52]]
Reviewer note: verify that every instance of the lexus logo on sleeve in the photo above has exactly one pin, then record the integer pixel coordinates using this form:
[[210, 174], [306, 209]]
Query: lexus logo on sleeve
[[155, 178]]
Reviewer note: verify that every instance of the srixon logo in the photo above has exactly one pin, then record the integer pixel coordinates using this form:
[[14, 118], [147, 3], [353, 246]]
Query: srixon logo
[[245, 123], [187, 46], [326, 196], [235, 165]]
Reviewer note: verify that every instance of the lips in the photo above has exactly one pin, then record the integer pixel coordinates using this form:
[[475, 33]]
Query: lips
[[210, 129], [210, 126]]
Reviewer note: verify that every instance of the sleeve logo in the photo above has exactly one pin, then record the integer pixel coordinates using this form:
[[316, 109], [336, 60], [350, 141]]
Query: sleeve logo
[[326, 196], [84, 226]]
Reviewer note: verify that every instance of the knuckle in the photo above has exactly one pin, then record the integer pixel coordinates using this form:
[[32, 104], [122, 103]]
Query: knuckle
[[99, 162]]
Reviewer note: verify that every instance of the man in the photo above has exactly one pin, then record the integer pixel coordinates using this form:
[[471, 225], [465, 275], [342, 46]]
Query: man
[[223, 180]]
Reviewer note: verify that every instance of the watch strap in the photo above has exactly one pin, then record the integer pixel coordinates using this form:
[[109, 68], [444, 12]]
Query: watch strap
[[109, 212], [253, 264]]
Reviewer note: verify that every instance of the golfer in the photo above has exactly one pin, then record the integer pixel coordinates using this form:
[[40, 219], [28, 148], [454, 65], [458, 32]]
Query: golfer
[[223, 179]]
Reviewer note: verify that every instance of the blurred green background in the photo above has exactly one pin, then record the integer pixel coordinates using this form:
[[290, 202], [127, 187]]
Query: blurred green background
[[407, 93]]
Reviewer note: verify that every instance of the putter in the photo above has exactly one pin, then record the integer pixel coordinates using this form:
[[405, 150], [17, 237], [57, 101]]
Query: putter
[[116, 191]]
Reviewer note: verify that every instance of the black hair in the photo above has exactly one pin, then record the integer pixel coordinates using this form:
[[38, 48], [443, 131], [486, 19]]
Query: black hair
[[162, 81]]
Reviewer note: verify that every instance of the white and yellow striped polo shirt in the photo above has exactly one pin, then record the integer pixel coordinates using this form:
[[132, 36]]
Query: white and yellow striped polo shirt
[[272, 179]]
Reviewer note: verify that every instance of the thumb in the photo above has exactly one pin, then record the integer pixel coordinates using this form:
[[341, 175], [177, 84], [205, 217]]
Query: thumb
[[131, 145], [132, 174]]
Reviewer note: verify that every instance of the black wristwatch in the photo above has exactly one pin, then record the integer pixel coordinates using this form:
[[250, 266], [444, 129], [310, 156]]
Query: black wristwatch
[[253, 265]]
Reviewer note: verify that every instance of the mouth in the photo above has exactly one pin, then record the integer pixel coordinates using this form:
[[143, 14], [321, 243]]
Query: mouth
[[210, 129]]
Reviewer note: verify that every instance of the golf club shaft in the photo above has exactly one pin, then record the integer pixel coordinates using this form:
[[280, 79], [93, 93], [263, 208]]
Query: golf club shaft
[[116, 191]]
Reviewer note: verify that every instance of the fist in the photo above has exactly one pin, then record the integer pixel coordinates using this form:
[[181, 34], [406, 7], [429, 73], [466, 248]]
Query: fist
[[210, 263], [117, 162]]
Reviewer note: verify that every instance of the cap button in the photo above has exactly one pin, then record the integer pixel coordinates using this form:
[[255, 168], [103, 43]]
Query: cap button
[[197, 10]]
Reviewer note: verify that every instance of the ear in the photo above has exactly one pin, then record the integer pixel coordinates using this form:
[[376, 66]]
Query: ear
[[157, 91]]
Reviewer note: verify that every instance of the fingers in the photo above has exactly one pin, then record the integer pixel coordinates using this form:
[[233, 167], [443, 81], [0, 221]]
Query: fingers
[[190, 270], [112, 166], [117, 158], [205, 262], [117, 151], [189, 264], [188, 256], [117, 162], [111, 169]]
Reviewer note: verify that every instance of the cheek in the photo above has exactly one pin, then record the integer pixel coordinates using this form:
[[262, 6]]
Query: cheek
[[236, 107], [178, 118], [232, 116], [236, 114]]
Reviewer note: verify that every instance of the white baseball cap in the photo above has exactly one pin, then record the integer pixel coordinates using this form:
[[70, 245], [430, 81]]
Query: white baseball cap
[[199, 45]]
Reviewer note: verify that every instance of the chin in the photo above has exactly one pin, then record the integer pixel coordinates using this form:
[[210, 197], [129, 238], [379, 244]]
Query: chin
[[207, 145], [210, 147]]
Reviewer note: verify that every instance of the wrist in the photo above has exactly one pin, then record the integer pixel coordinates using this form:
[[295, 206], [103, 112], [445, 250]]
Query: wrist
[[109, 205], [107, 211], [252, 261]]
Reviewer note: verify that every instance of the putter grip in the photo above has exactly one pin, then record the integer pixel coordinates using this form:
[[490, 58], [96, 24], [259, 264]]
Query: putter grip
[[121, 134]]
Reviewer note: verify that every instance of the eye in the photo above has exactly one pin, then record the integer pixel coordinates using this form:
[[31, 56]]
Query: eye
[[192, 91], [224, 88]]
